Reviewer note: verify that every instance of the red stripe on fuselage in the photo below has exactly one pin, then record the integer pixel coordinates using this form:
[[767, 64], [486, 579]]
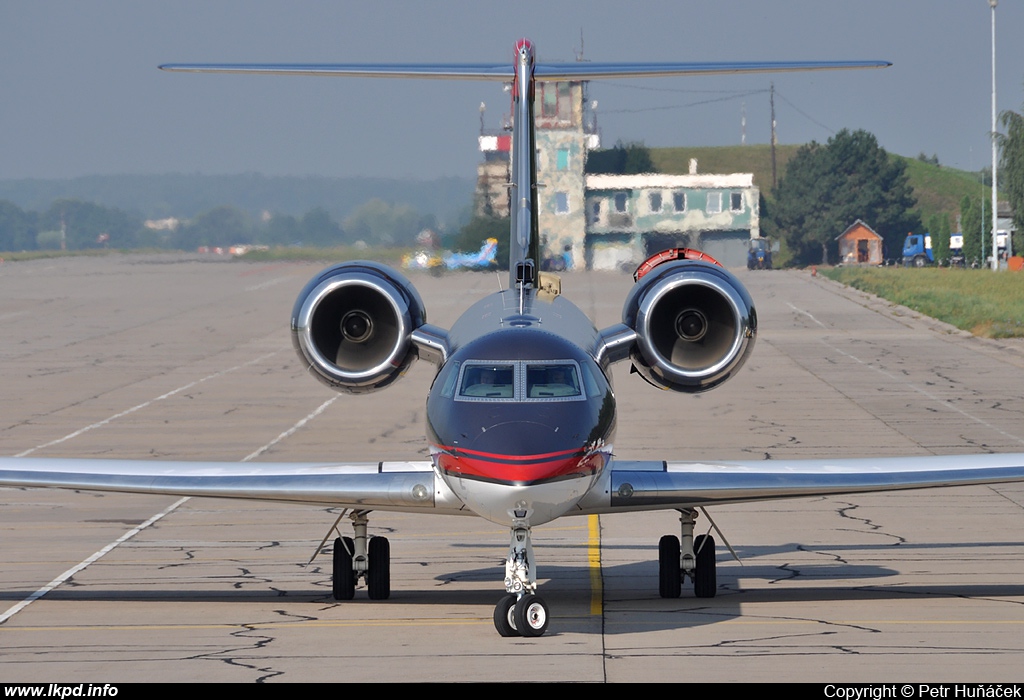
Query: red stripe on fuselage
[[579, 452], [513, 469]]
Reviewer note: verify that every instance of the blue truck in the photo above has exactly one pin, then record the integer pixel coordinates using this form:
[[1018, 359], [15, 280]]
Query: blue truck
[[917, 250]]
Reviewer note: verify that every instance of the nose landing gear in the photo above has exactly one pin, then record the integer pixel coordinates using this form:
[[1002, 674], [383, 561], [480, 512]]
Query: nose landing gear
[[520, 612]]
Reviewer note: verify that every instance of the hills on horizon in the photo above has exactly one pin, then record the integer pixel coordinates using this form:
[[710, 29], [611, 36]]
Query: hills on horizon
[[186, 195], [448, 199]]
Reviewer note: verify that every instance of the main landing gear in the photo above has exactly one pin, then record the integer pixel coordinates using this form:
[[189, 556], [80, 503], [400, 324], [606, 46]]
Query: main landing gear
[[520, 612], [355, 558], [693, 558]]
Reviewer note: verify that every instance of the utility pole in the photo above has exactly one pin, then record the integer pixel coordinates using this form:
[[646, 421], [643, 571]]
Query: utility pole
[[995, 178], [774, 180], [743, 124]]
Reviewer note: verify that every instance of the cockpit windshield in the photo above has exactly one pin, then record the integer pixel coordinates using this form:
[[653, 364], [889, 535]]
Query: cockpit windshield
[[551, 380], [520, 380], [496, 381]]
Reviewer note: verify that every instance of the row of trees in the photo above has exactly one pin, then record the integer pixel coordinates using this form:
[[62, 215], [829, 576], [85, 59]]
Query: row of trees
[[1011, 171], [828, 187], [78, 225]]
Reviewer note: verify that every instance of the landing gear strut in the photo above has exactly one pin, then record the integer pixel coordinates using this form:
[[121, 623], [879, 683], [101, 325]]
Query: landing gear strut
[[520, 612], [693, 557], [353, 560]]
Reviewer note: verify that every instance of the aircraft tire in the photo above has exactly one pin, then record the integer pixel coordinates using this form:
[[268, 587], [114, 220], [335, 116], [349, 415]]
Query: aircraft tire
[[504, 616], [378, 574], [705, 580], [669, 576], [343, 581], [531, 616]]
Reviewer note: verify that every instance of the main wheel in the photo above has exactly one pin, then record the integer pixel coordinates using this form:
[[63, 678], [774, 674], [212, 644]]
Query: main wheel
[[669, 576], [920, 261], [705, 579], [343, 582], [378, 573], [531, 616], [504, 616]]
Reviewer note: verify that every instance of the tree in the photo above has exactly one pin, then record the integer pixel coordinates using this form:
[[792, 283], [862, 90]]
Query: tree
[[17, 230], [623, 159], [938, 227], [1011, 171], [975, 226], [221, 226], [383, 223], [282, 229], [828, 187], [84, 222], [317, 228]]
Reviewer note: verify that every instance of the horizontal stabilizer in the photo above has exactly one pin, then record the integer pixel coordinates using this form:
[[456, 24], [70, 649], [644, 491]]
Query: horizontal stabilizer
[[504, 72]]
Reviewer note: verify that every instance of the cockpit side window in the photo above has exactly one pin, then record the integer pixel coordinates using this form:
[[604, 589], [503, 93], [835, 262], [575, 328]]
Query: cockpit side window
[[449, 375], [589, 382]]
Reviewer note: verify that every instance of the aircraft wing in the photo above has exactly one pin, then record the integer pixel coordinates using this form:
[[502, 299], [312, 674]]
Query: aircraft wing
[[632, 486], [396, 486], [504, 71]]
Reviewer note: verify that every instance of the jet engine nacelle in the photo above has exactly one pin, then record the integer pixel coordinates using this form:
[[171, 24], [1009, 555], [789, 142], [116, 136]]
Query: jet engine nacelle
[[353, 323], [695, 325]]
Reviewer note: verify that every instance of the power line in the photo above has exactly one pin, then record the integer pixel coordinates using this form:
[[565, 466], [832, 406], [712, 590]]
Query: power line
[[662, 108]]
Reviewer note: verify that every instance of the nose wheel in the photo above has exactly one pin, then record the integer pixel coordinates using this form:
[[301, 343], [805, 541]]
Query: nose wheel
[[504, 616], [521, 612], [526, 616], [531, 614]]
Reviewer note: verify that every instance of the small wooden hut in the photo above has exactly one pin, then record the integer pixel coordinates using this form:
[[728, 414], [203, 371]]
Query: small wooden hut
[[860, 245]]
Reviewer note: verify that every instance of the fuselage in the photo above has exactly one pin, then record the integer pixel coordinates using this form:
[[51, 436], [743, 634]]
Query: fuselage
[[520, 418]]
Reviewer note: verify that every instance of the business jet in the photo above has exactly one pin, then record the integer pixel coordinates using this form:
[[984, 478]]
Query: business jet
[[521, 414]]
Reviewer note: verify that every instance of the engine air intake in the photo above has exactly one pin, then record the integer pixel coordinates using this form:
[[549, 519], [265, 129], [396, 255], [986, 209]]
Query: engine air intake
[[353, 324], [695, 325]]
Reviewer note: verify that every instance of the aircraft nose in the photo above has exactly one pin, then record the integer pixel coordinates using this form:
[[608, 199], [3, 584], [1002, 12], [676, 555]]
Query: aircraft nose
[[516, 437]]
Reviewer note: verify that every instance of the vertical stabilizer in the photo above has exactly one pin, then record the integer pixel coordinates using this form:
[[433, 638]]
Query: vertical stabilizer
[[524, 247]]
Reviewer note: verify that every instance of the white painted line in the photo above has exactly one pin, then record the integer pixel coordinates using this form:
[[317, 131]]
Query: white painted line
[[924, 392], [18, 607], [144, 404], [268, 283], [807, 314], [291, 430], [12, 314]]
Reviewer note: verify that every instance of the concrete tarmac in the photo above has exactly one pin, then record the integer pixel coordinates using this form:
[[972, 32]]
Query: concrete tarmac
[[185, 358]]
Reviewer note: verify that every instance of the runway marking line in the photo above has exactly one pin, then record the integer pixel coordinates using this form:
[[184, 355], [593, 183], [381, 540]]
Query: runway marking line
[[18, 607], [447, 622], [807, 314], [942, 402], [143, 405], [924, 392], [594, 564]]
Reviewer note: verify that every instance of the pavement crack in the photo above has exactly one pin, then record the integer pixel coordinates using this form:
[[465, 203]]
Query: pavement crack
[[846, 511]]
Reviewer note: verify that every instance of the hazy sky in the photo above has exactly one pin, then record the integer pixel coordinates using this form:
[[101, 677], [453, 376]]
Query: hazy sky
[[80, 92]]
